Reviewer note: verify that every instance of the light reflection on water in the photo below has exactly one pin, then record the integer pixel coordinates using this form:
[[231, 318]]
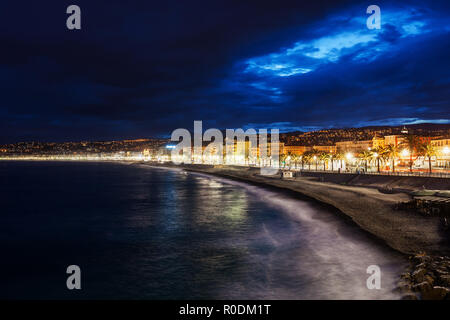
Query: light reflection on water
[[145, 233], [318, 256]]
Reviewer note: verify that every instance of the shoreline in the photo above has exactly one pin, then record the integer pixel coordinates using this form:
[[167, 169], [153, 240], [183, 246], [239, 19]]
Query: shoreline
[[418, 237], [407, 232], [421, 238], [373, 211]]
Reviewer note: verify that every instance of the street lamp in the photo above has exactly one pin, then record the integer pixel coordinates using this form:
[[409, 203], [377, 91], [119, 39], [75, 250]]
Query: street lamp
[[446, 150], [405, 152]]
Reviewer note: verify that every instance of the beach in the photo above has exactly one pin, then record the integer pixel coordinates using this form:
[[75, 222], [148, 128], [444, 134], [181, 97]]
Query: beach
[[367, 204], [372, 203], [372, 210], [139, 232]]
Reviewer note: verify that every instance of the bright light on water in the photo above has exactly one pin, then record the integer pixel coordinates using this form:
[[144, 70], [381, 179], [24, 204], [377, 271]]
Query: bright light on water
[[145, 233]]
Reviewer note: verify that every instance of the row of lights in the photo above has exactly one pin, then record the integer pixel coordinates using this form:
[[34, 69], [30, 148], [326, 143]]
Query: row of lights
[[349, 156]]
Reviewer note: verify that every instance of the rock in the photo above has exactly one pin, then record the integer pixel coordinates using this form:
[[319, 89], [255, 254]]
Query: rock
[[419, 274], [441, 272], [436, 293], [403, 287], [409, 296], [422, 265], [406, 276], [445, 279], [422, 287], [429, 279], [422, 257]]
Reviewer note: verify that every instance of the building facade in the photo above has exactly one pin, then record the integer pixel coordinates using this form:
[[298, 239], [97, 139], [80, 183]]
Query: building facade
[[354, 146], [326, 149], [296, 150], [442, 147]]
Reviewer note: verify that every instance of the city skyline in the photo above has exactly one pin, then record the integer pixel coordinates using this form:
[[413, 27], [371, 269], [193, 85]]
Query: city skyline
[[350, 133]]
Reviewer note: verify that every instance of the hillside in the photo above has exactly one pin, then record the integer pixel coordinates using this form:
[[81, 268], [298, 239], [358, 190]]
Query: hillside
[[331, 136]]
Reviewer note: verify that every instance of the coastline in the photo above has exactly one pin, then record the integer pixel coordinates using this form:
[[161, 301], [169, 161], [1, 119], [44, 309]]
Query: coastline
[[419, 237], [406, 232]]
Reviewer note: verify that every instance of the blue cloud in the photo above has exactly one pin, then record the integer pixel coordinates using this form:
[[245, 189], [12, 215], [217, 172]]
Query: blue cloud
[[402, 121], [340, 73], [352, 37]]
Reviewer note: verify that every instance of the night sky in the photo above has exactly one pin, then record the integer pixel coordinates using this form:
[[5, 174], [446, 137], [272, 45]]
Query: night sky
[[141, 69]]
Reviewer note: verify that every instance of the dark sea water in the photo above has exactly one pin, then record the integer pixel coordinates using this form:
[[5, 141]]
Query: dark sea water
[[146, 233]]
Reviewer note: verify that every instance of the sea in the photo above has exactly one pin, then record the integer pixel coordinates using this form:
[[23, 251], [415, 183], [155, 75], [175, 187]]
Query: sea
[[142, 232]]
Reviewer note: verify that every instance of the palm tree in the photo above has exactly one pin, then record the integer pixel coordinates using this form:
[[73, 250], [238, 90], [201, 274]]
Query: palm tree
[[294, 157], [283, 158], [291, 157], [427, 150], [365, 156], [324, 157], [379, 155], [307, 157], [392, 152], [315, 158], [411, 143], [339, 157]]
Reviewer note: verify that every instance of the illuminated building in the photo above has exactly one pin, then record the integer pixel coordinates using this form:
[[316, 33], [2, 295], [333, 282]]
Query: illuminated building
[[354, 146], [394, 140], [326, 149], [442, 152], [377, 142], [296, 150]]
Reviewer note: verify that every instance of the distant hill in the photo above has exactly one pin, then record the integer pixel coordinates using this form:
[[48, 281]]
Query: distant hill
[[331, 136]]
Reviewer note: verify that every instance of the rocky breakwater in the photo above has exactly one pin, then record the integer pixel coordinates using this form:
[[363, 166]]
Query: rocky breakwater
[[428, 278]]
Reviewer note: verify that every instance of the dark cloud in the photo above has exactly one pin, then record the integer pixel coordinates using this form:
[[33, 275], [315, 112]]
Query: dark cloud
[[144, 68]]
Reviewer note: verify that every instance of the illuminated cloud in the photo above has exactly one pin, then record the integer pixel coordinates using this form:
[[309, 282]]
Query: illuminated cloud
[[348, 37], [340, 73], [279, 68], [281, 126], [294, 126], [402, 121]]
